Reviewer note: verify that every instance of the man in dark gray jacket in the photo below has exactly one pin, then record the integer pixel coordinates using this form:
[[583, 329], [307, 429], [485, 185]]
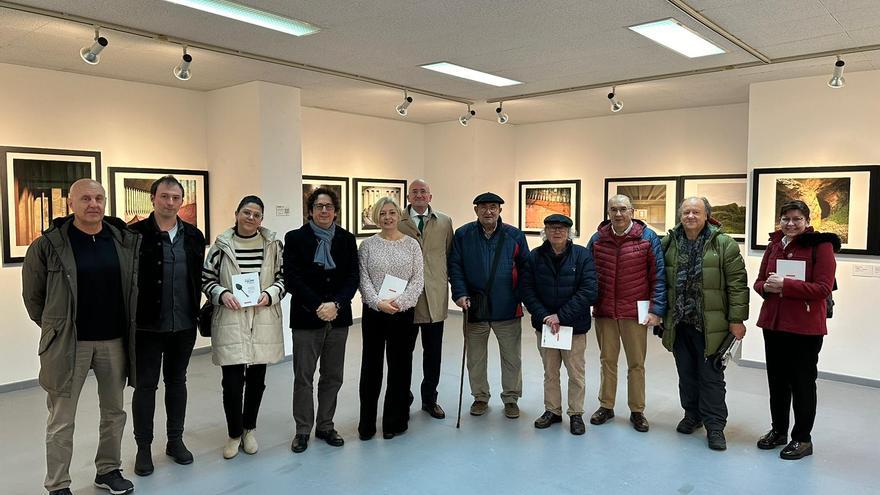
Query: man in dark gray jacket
[[80, 286]]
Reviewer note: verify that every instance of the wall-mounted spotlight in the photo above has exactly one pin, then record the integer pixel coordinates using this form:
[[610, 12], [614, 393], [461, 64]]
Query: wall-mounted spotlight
[[616, 104], [182, 71], [502, 117], [837, 80], [92, 54], [401, 109], [466, 118]]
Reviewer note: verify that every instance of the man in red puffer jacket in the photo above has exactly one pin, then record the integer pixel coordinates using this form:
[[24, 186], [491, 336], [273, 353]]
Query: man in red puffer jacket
[[630, 268]]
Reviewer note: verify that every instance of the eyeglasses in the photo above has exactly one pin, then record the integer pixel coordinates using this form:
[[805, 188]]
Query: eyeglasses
[[792, 220], [556, 228], [252, 214], [492, 208], [620, 210], [324, 206]]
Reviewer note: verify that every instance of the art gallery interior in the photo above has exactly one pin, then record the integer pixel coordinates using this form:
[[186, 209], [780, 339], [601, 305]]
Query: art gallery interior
[[263, 108]]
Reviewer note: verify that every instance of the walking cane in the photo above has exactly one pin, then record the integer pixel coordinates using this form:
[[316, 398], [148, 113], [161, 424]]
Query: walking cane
[[463, 353]]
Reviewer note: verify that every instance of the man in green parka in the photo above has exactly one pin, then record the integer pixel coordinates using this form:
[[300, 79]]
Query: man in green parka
[[708, 295]]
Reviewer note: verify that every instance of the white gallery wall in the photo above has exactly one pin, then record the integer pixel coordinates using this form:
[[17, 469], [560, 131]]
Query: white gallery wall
[[801, 122]]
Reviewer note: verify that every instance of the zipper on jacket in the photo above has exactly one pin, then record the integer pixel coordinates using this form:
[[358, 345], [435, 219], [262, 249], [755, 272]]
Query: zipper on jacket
[[807, 305]]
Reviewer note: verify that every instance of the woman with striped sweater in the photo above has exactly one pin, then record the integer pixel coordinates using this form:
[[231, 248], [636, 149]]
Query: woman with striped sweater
[[244, 339]]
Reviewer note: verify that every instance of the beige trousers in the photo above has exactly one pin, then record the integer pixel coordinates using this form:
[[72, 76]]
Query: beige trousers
[[610, 333], [509, 335], [575, 361], [107, 358]]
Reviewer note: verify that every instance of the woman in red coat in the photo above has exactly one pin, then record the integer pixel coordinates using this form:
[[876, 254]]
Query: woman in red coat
[[793, 318]]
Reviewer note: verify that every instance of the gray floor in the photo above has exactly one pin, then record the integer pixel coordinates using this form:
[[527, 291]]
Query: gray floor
[[489, 454]]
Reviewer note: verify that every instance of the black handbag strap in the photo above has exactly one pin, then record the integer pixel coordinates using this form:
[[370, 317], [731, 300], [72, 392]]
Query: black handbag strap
[[498, 246]]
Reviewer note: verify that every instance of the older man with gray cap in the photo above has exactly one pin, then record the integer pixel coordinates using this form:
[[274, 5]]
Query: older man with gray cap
[[485, 265]]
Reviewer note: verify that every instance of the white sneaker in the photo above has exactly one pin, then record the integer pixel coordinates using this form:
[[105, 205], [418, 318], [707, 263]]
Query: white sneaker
[[230, 450], [249, 442]]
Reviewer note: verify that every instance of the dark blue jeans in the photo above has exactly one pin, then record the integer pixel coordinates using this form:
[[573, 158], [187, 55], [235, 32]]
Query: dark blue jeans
[[701, 387]]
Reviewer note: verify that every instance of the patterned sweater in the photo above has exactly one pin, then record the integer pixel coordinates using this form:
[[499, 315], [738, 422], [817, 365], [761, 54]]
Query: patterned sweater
[[401, 258]]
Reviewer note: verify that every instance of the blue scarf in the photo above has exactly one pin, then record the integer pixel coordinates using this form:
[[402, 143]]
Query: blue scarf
[[325, 238]]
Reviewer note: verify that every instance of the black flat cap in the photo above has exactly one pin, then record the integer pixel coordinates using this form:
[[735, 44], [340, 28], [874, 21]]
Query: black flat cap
[[557, 218], [488, 197]]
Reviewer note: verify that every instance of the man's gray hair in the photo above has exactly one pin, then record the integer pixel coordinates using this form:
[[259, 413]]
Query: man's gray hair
[[620, 198], [705, 201]]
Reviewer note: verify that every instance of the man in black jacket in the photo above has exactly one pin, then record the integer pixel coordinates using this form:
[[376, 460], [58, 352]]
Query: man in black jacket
[[169, 283], [321, 273]]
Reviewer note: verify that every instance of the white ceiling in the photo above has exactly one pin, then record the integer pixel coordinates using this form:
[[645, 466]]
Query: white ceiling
[[548, 44]]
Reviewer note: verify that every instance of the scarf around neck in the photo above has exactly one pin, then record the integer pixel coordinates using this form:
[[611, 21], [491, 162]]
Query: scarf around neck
[[325, 238], [689, 278]]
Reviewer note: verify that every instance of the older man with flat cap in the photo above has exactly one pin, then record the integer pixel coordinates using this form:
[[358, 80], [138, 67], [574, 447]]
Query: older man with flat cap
[[485, 265]]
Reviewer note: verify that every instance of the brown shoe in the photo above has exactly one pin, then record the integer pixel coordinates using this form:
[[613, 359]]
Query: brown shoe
[[640, 423], [434, 410], [601, 416], [479, 408], [511, 410]]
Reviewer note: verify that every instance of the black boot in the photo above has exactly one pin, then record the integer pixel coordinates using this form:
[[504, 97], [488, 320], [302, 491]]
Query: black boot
[[143, 463], [178, 451]]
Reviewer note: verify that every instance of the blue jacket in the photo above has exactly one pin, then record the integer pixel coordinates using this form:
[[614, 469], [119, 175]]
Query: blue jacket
[[471, 259], [568, 292]]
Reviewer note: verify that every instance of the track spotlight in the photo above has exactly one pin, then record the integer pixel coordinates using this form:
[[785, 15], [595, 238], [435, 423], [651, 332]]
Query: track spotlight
[[92, 54], [616, 104], [502, 117], [466, 118], [401, 109], [837, 80], [182, 71]]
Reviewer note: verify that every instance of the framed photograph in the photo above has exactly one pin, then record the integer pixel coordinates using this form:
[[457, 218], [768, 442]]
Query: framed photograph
[[337, 184], [130, 194], [653, 199], [842, 199], [540, 198], [35, 186], [726, 194], [366, 193]]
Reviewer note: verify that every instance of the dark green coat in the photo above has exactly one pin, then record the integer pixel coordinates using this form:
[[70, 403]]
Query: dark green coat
[[725, 287]]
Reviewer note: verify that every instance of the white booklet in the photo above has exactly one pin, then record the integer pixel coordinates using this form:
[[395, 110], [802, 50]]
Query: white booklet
[[391, 287], [246, 288], [796, 269], [562, 339], [642, 308]]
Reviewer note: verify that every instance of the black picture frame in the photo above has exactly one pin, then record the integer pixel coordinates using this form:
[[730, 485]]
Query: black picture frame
[[363, 200], [310, 182], [863, 194], [670, 197], [118, 199], [53, 170], [682, 193], [528, 188]]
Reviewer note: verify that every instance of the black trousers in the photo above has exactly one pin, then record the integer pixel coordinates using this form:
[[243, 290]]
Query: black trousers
[[432, 350], [391, 337], [791, 375], [239, 380], [170, 353], [701, 387]]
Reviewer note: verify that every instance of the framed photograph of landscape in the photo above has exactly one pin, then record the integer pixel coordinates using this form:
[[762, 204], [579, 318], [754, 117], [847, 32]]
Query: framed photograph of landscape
[[842, 199], [540, 198], [366, 193], [130, 194], [653, 199], [35, 186], [339, 185], [726, 194]]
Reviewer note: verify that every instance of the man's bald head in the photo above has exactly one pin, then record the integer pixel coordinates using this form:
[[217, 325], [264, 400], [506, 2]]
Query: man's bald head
[[419, 195], [86, 199]]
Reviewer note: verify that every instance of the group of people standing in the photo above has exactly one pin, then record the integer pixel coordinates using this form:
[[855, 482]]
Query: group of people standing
[[124, 301]]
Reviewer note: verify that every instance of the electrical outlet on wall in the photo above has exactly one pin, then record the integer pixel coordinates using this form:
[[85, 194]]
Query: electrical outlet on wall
[[863, 270]]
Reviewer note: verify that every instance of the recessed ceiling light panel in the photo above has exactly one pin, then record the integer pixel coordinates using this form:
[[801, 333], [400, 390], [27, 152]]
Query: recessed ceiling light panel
[[675, 36], [250, 15], [471, 74]]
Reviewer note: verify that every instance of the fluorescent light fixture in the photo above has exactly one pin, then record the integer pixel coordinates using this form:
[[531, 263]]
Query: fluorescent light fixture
[[674, 35], [473, 75], [250, 15]]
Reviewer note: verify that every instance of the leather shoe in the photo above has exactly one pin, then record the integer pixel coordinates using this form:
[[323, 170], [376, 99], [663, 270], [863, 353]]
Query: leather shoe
[[639, 422], [716, 440], [796, 450], [772, 439], [331, 437], [601, 415], [547, 419], [511, 410], [143, 462], [576, 424], [479, 408], [300, 443], [178, 451], [434, 410], [688, 425], [388, 435]]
